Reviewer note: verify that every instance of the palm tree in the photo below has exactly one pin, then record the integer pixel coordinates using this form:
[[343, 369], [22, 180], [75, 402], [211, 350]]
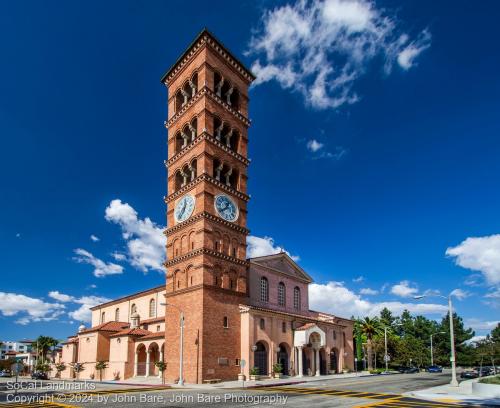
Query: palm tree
[[370, 327], [101, 365], [43, 344]]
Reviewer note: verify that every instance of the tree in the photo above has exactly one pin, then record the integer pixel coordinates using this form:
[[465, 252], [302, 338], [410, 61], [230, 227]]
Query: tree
[[386, 317], [370, 327], [101, 365], [60, 367], [162, 366], [77, 368], [464, 351], [495, 334], [42, 345], [410, 351]]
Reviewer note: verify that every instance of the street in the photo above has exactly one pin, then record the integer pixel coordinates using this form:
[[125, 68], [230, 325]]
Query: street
[[380, 391]]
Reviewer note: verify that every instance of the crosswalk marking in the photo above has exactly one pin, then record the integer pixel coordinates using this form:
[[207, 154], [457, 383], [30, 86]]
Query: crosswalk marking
[[380, 400]]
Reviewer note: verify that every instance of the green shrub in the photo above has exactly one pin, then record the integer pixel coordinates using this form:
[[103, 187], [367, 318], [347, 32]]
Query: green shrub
[[491, 380]]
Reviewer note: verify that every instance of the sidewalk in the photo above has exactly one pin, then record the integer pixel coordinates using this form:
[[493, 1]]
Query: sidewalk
[[462, 393], [270, 382]]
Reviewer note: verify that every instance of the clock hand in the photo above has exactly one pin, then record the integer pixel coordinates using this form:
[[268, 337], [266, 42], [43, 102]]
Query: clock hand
[[183, 208]]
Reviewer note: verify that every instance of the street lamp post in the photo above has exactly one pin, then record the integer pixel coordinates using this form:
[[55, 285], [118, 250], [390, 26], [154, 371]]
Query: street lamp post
[[386, 356], [181, 347], [453, 382], [432, 350]]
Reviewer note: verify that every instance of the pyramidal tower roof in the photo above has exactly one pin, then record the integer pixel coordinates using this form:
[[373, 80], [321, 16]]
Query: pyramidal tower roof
[[206, 38]]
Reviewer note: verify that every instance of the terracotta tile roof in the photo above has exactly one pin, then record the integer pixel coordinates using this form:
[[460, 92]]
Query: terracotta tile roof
[[306, 326], [153, 320], [132, 332], [155, 335], [108, 326], [71, 340]]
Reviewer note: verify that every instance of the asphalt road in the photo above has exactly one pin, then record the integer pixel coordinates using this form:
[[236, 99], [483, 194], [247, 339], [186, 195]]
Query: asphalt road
[[379, 391]]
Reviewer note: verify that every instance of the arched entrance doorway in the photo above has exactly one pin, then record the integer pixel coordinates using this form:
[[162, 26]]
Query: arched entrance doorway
[[260, 358], [141, 360], [322, 362], [306, 361], [154, 357], [334, 367], [283, 357]]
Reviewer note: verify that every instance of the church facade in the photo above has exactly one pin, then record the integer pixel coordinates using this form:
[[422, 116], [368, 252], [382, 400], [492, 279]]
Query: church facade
[[235, 313]]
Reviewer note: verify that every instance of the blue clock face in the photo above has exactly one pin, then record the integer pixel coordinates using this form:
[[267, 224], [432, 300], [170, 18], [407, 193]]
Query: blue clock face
[[184, 208], [226, 208]]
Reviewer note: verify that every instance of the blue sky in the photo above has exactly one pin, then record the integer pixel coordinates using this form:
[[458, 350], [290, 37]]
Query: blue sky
[[374, 150]]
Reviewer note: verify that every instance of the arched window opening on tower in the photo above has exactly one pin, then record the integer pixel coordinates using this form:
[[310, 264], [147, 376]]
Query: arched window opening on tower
[[179, 179], [133, 308], [218, 82], [234, 99], [103, 317], [281, 294], [152, 308], [264, 289], [117, 315], [296, 298]]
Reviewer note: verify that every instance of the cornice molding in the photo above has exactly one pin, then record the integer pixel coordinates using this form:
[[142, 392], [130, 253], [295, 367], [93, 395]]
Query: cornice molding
[[204, 251], [206, 91], [206, 177], [208, 137], [209, 217]]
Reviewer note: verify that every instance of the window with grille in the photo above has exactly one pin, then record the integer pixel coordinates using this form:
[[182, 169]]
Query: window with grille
[[296, 298], [264, 289], [281, 294], [152, 308]]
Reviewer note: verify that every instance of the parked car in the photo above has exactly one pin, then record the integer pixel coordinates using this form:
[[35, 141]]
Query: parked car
[[39, 375], [412, 370], [5, 373], [469, 374], [435, 369]]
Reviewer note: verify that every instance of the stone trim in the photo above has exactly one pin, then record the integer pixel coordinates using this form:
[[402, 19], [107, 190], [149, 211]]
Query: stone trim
[[207, 216], [206, 177], [206, 136], [204, 251], [206, 91]]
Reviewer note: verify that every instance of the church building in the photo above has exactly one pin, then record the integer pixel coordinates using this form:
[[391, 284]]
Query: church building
[[231, 313]]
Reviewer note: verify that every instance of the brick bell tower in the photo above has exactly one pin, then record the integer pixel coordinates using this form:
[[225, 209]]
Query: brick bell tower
[[206, 210]]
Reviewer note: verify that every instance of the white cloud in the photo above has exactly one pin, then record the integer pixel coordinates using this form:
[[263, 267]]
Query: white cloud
[[479, 254], [94, 238], [403, 289], [101, 268], [18, 235], [475, 340], [335, 298], [359, 279], [368, 291], [478, 324], [319, 48], [83, 313], [35, 310], [257, 246], [407, 57], [313, 145], [61, 297], [460, 294], [145, 240]]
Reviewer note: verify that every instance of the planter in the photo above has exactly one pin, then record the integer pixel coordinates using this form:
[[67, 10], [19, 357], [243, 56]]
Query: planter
[[277, 375], [254, 377], [241, 377]]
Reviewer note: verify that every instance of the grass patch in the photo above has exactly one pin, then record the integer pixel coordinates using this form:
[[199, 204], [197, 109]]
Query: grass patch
[[491, 380]]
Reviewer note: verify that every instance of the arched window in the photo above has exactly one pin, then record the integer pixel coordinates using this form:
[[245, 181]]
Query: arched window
[[296, 298], [262, 324], [281, 294], [152, 308], [264, 289], [103, 317], [133, 308], [117, 315]]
